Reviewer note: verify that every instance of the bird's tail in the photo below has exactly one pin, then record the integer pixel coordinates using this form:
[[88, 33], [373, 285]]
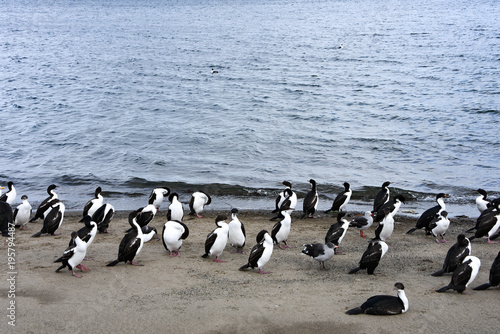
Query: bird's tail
[[438, 273], [354, 311], [482, 286], [355, 270], [472, 238], [470, 230], [57, 270], [113, 263], [493, 237], [246, 266], [58, 260], [274, 218], [444, 289], [36, 235], [411, 230]]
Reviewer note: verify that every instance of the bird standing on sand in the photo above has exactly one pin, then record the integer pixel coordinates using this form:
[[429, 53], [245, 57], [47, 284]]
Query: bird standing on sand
[[197, 204], [362, 222], [157, 195], [341, 199], [22, 213], [425, 218], [439, 225], [310, 201], [175, 209], [217, 239], [488, 226], [46, 203], [281, 230], [131, 243], [92, 205], [455, 255], [236, 232], [337, 231], [174, 233], [382, 196], [53, 218], [10, 195], [489, 212], [260, 253], [463, 275], [371, 257], [73, 255], [384, 304], [320, 252]]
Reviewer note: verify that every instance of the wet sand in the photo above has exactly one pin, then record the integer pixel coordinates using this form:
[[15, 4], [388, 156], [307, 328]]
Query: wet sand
[[189, 294]]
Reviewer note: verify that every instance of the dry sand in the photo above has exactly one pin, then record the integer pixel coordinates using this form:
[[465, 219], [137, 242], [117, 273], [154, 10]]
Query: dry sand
[[190, 294]]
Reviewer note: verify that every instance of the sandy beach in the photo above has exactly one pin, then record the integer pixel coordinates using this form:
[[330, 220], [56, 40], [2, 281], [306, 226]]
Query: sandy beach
[[189, 294]]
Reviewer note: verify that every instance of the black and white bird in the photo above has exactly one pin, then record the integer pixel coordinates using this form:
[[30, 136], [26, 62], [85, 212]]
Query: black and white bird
[[87, 233], [384, 304], [92, 205], [439, 225], [131, 243], [74, 255], [237, 234], [455, 255], [22, 213], [494, 278], [320, 252], [157, 195], [217, 239], [394, 205], [425, 218], [386, 226], [286, 198], [53, 218], [175, 209], [362, 222], [341, 200], [487, 214], [281, 230], [197, 203], [382, 196], [103, 216], [488, 227], [310, 201], [174, 233], [287, 202], [371, 257], [10, 195], [482, 202], [46, 203], [260, 253], [465, 273], [338, 230]]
